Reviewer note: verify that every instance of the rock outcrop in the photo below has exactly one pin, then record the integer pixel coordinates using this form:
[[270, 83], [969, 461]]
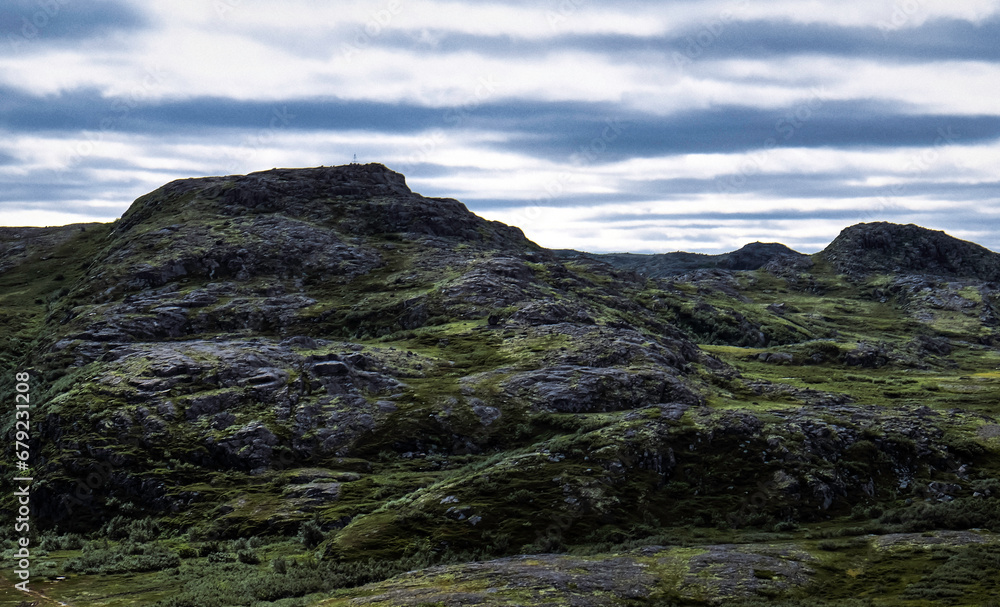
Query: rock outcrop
[[888, 248]]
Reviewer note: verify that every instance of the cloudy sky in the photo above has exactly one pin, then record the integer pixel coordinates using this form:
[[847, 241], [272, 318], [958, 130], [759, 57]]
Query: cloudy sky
[[636, 126]]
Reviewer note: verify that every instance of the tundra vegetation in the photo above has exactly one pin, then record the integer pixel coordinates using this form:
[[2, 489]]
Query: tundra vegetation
[[314, 387]]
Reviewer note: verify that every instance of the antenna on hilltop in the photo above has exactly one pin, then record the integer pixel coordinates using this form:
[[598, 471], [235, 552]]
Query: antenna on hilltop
[[355, 161]]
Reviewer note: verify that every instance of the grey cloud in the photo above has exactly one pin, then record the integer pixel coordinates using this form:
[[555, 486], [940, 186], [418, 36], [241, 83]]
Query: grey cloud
[[773, 187], [813, 185], [567, 130], [573, 132], [936, 40], [23, 22]]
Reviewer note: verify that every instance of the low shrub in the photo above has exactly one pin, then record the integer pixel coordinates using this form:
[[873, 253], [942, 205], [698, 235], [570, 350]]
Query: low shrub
[[132, 559], [310, 534]]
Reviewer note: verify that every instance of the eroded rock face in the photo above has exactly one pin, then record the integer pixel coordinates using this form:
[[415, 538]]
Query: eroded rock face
[[214, 386], [578, 389], [551, 313], [249, 446], [235, 249], [867, 355], [277, 190]]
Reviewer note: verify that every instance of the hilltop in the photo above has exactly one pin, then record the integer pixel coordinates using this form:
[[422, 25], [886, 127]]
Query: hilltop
[[869, 248], [303, 382]]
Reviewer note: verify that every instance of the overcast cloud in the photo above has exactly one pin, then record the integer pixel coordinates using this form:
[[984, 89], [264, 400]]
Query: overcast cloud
[[640, 126]]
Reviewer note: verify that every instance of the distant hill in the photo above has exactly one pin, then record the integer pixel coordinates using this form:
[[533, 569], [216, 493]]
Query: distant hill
[[661, 265], [860, 250]]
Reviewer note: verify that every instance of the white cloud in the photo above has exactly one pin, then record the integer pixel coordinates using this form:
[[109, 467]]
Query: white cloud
[[42, 218], [600, 228], [928, 87]]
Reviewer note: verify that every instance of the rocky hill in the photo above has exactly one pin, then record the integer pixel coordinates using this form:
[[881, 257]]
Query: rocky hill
[[887, 248], [296, 384]]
